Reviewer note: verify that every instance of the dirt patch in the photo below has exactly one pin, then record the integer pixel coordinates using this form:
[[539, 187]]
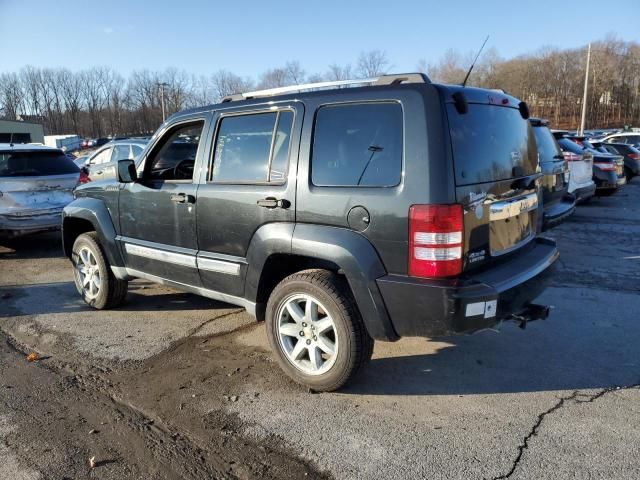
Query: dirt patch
[[143, 419]]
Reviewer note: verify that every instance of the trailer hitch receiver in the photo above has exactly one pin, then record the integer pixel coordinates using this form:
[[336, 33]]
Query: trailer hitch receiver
[[531, 312]]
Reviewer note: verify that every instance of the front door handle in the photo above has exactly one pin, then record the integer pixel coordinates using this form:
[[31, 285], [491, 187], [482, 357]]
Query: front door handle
[[182, 198], [272, 202], [99, 172]]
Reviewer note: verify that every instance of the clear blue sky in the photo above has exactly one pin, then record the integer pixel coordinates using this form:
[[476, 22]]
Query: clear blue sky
[[247, 37]]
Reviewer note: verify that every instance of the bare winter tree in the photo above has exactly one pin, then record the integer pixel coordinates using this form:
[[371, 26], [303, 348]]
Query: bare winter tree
[[372, 63], [31, 87], [291, 74], [339, 72], [295, 73], [226, 83], [71, 88], [93, 93], [99, 101], [11, 95]]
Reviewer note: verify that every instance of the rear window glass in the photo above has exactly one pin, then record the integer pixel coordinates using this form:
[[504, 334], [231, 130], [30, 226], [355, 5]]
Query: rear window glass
[[631, 139], [491, 143], [31, 164], [548, 150], [358, 145], [570, 146]]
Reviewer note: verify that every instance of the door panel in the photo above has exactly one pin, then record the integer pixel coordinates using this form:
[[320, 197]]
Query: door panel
[[229, 212], [158, 213]]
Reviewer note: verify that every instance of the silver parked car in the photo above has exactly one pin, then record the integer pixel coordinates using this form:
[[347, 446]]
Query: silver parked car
[[103, 163], [36, 183]]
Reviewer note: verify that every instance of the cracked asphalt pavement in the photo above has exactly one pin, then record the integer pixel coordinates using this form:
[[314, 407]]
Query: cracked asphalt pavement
[[177, 386]]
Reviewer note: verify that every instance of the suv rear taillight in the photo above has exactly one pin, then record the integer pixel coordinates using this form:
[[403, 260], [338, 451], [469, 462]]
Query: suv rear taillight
[[572, 157], [84, 178], [634, 156], [435, 240], [605, 166]]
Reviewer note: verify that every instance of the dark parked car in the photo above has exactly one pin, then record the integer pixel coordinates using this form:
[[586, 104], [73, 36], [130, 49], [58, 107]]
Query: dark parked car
[[337, 215], [101, 141], [630, 154], [36, 182], [608, 170], [557, 202], [102, 163]]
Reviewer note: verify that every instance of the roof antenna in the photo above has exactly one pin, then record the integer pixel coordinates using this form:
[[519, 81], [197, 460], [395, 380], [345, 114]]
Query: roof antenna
[[464, 83]]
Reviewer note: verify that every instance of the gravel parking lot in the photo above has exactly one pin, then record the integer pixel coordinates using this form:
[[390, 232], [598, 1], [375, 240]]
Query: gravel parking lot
[[175, 386]]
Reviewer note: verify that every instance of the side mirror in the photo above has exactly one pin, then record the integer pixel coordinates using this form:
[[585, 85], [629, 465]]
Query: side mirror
[[127, 171]]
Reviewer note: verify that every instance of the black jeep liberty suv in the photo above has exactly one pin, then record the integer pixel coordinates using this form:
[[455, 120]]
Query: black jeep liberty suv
[[338, 213]]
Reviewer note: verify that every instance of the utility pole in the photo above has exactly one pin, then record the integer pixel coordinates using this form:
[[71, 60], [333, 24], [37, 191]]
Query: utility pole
[[162, 86], [584, 98]]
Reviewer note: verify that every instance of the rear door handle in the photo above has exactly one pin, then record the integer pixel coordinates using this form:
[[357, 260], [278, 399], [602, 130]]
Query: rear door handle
[[272, 202], [182, 198]]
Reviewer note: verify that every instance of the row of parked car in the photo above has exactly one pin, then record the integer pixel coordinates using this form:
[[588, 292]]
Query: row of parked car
[[576, 168], [339, 216]]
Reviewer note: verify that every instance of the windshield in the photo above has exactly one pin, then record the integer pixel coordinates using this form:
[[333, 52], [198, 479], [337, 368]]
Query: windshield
[[35, 163], [491, 143]]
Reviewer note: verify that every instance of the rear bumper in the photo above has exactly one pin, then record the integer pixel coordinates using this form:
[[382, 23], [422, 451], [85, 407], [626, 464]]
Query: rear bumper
[[584, 193], [427, 308], [633, 165], [609, 182], [30, 221], [558, 212]]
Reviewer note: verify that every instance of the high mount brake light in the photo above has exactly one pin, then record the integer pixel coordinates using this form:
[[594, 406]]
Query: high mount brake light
[[435, 240]]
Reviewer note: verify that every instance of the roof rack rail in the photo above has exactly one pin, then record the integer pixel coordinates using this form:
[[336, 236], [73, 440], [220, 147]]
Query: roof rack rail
[[393, 79]]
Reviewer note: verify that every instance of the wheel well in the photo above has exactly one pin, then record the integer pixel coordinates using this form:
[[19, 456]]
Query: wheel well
[[279, 266], [72, 228]]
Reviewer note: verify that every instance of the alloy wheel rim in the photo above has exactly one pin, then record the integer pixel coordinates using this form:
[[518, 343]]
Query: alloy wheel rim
[[88, 272], [307, 334]]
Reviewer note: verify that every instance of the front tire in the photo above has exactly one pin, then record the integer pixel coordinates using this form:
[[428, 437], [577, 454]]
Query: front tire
[[92, 274], [316, 331]]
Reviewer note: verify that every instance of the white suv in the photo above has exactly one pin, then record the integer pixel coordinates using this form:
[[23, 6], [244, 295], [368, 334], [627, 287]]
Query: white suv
[[630, 138]]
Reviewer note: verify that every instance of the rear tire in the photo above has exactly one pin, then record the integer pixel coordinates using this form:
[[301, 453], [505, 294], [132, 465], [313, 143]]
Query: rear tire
[[92, 274], [628, 173], [316, 331]]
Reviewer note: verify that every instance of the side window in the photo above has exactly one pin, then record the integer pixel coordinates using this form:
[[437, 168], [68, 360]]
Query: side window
[[21, 138], [357, 145], [102, 157], [136, 150], [281, 142], [253, 148], [175, 155], [120, 152]]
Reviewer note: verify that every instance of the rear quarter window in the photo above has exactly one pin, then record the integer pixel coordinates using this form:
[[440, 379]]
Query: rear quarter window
[[35, 163], [548, 149], [358, 145], [491, 143]]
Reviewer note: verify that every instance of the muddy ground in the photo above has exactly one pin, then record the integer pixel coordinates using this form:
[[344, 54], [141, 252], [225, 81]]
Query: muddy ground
[[171, 385]]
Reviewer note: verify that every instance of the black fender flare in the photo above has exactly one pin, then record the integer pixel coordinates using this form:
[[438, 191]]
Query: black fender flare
[[95, 212], [349, 250], [269, 239]]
